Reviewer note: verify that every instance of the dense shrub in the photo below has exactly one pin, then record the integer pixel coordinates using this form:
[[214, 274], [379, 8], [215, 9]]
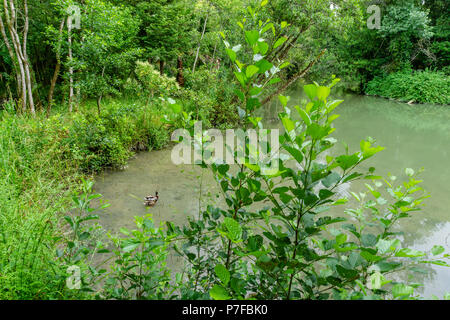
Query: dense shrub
[[107, 141], [418, 86], [209, 103], [220, 92]]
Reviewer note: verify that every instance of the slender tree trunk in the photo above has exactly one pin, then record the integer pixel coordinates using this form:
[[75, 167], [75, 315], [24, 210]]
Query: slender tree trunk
[[10, 22], [57, 68], [99, 102], [161, 67], [213, 56], [200, 42], [180, 77], [26, 60], [69, 26], [99, 98]]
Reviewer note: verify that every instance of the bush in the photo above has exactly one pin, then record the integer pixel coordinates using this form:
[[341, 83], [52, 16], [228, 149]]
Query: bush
[[209, 103], [108, 140], [419, 86]]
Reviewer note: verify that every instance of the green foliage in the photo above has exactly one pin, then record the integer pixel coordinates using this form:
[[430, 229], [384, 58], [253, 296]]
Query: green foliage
[[40, 169], [107, 140], [139, 269], [104, 48], [291, 248], [166, 27], [153, 82], [418, 86]]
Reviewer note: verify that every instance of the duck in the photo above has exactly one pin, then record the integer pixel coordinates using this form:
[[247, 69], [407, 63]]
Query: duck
[[150, 201]]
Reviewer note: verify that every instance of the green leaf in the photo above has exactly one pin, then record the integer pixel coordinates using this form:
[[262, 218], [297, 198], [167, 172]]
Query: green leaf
[[84, 236], [331, 179], [334, 105], [437, 250], [284, 65], [367, 150], [254, 243], [241, 78], [297, 154], [274, 80], [368, 240], [409, 253], [232, 54], [279, 42], [176, 108], [251, 71], [130, 247], [323, 92], [369, 256], [325, 194], [284, 100], [240, 94], [346, 273], [316, 131], [305, 117], [263, 47], [288, 124], [384, 246], [387, 266], [264, 65], [341, 238], [234, 229], [310, 90], [347, 161], [222, 273], [253, 167], [251, 37], [219, 293], [267, 27], [401, 290]]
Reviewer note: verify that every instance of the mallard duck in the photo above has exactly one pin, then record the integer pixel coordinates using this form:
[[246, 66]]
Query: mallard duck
[[150, 201]]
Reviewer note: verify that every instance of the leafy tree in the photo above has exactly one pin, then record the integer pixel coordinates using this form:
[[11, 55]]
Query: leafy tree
[[105, 48]]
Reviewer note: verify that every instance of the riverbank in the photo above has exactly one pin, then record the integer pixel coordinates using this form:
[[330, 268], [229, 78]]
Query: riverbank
[[42, 163], [412, 86]]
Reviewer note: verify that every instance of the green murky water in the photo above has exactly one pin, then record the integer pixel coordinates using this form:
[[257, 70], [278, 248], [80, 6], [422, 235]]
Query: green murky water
[[414, 136]]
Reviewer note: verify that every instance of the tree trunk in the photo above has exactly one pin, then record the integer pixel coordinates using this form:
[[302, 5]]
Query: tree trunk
[[69, 26], [180, 77], [199, 43], [12, 28], [26, 60], [99, 101], [161, 67], [57, 68]]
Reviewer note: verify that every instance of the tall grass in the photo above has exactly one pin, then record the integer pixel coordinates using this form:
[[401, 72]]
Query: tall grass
[[41, 164]]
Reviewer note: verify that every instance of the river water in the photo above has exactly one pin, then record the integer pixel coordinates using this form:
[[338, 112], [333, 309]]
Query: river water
[[414, 136]]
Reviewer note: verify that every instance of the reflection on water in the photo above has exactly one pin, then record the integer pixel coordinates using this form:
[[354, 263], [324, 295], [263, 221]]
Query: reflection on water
[[414, 136]]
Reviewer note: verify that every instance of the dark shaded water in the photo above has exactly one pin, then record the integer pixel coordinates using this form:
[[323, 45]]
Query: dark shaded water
[[414, 136]]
